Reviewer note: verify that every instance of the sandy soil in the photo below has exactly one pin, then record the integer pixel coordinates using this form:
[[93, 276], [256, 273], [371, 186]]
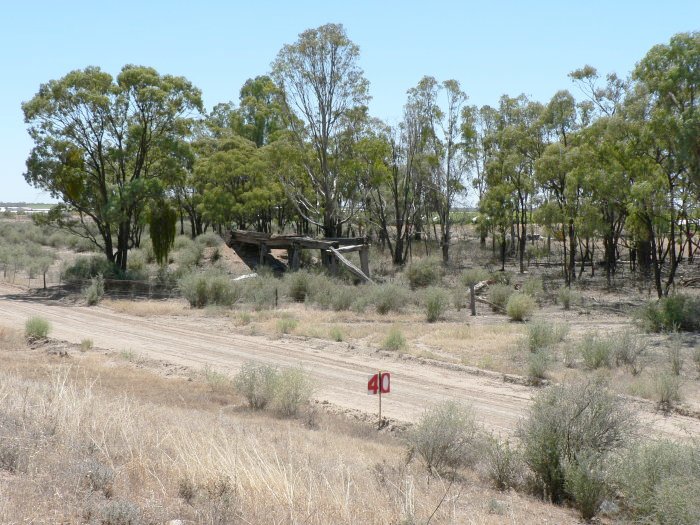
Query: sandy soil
[[340, 371]]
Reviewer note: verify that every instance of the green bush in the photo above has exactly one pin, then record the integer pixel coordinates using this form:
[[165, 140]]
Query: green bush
[[667, 389], [520, 307], [86, 344], [394, 340], [293, 390], [499, 295], [537, 365], [567, 297], [188, 256], [675, 358], [344, 297], [672, 313], [426, 272], [263, 292], [436, 300], [84, 268], [137, 262], [257, 383], [209, 239], [388, 298], [36, 328], [569, 422], [94, 293], [543, 334], [445, 437], [503, 464], [596, 351], [660, 482], [533, 287], [584, 481], [298, 283], [628, 350], [208, 288], [474, 276], [336, 334], [286, 325]]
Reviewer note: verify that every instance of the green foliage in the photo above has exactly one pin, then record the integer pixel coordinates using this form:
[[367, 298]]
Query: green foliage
[[566, 297], [436, 301], [36, 328], [423, 273], [667, 389], [84, 268], [533, 287], [298, 284], [395, 340], [257, 383], [188, 254], [94, 293], [499, 295], [286, 325], [86, 344], [597, 351], [543, 334], [474, 276], [445, 437], [585, 483], [537, 365], [660, 482], [208, 288], [567, 423], [520, 307], [675, 358], [675, 312], [503, 464], [209, 240], [293, 390], [161, 226], [628, 349], [336, 334], [388, 298]]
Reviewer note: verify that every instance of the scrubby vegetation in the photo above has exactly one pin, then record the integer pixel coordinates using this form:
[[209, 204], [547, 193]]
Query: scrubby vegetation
[[36, 328]]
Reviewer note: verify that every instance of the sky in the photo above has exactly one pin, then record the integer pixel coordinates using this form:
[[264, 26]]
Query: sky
[[491, 48]]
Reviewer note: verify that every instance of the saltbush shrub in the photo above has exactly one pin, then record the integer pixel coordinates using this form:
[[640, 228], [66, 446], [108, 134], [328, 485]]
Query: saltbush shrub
[[596, 351], [209, 239], [544, 334], [568, 422], [435, 300], [672, 313], [533, 287], [388, 298], [293, 390], [36, 328], [94, 293], [298, 285], [257, 383], [537, 365], [394, 340], [520, 307], [503, 464], [446, 437], [628, 350], [208, 288], [667, 389], [566, 297], [499, 295], [84, 268], [423, 273]]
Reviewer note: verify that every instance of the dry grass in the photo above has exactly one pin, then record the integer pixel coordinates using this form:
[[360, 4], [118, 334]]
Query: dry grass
[[146, 308], [97, 436]]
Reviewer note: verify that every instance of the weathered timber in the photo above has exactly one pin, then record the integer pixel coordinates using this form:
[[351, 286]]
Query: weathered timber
[[350, 266]]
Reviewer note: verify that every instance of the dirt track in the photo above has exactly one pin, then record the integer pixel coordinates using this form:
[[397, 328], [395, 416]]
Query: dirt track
[[341, 373]]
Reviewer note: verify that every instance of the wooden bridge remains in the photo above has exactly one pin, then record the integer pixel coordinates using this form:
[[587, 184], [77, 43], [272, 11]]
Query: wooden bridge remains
[[333, 250]]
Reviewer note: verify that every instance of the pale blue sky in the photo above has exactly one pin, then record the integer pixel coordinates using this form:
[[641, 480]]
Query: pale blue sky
[[492, 48]]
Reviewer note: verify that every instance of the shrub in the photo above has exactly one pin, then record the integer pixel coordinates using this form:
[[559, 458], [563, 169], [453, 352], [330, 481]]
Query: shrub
[[120, 513], [567, 297], [298, 285], [696, 358], [209, 239], [287, 325], [336, 334], [98, 477], [257, 383], [566, 423], [503, 464], [499, 295], [426, 272], [321, 289], [667, 389], [628, 350], [10, 455], [533, 287], [584, 482], [660, 482], [137, 261], [188, 256], [388, 298], [675, 358], [543, 334], [474, 276], [94, 293], [596, 351], [675, 312], [520, 307], [445, 437], [36, 328], [394, 340], [263, 291], [86, 344], [436, 301], [293, 390], [343, 298], [207, 288], [537, 365], [84, 268]]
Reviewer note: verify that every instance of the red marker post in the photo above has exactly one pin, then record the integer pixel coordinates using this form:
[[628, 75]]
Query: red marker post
[[378, 384]]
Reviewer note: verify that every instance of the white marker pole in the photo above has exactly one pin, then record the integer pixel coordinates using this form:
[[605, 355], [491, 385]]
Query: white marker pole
[[380, 400]]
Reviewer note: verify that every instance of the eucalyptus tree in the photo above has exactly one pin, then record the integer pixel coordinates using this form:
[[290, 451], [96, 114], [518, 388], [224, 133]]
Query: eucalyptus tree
[[103, 146], [321, 85]]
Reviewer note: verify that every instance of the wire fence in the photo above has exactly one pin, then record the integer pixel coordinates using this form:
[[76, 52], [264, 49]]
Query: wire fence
[[124, 289]]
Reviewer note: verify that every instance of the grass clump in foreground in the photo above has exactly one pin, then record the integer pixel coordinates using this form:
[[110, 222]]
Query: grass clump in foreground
[[36, 328], [94, 293], [395, 340], [436, 301]]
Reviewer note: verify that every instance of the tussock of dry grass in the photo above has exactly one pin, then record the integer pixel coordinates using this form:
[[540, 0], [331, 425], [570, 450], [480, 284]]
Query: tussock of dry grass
[[93, 440]]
